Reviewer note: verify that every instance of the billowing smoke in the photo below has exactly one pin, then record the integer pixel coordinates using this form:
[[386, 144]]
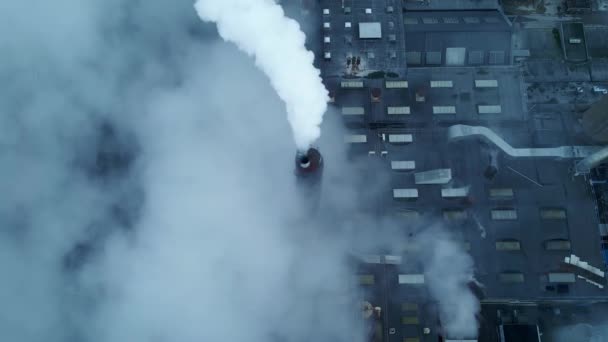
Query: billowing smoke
[[261, 29], [448, 271]]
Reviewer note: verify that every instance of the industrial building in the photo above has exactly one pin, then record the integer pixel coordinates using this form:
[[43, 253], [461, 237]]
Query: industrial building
[[426, 89]]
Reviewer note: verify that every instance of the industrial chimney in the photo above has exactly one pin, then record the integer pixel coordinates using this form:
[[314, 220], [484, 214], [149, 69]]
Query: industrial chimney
[[309, 171]]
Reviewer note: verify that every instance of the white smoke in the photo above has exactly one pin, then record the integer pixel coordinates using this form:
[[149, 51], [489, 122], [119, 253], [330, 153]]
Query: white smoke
[[261, 29], [448, 271]]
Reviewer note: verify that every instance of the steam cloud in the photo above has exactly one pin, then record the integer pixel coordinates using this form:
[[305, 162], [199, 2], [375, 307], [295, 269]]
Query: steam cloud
[[448, 270], [261, 29], [130, 209]]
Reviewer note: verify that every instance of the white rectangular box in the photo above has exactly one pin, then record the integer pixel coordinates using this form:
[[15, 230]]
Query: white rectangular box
[[396, 84], [444, 110], [489, 109], [400, 138], [405, 110], [405, 193], [403, 165], [353, 111], [351, 84], [442, 84], [486, 83], [455, 192], [355, 138], [411, 279]]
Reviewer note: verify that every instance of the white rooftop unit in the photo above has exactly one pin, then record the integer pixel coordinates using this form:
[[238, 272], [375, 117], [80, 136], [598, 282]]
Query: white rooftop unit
[[486, 83], [348, 24], [455, 192], [411, 279], [405, 193], [327, 39], [442, 84], [403, 165], [561, 278], [400, 138], [353, 111], [351, 84], [489, 109], [326, 11], [326, 25], [438, 176], [396, 84], [398, 110], [444, 109], [327, 55], [574, 40], [503, 214], [370, 30], [368, 11], [355, 138]]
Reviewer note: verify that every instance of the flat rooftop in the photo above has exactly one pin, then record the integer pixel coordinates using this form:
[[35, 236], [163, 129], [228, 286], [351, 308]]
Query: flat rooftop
[[506, 223]]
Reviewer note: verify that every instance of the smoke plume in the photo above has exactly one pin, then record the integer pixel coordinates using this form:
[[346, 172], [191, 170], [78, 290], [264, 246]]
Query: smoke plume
[[448, 270], [261, 29]]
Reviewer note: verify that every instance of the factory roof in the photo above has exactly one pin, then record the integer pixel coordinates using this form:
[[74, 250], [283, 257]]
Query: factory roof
[[520, 224], [476, 20], [438, 5]]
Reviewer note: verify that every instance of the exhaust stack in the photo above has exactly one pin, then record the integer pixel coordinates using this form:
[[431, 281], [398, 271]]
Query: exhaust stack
[[309, 164], [309, 171]]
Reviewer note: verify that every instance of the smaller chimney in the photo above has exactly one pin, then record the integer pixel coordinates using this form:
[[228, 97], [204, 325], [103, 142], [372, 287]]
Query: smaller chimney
[[331, 96], [376, 94]]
